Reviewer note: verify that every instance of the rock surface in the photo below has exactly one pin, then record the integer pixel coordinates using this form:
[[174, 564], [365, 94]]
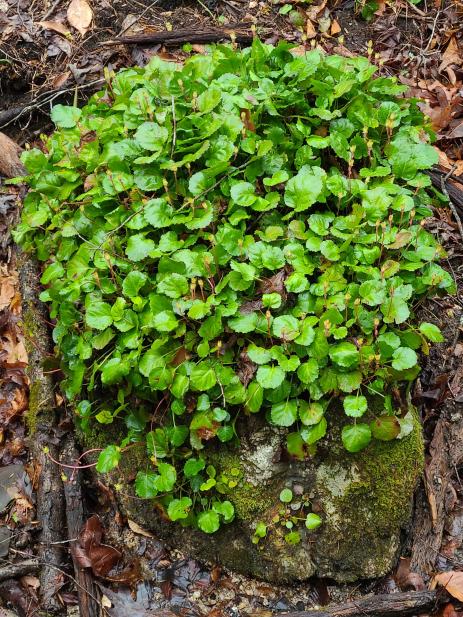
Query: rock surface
[[364, 500]]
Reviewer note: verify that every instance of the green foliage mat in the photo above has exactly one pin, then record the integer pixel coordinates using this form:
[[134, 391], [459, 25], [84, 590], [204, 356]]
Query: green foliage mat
[[241, 234]]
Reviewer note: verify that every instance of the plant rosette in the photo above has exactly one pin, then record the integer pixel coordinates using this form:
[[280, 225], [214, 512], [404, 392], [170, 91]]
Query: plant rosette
[[240, 234]]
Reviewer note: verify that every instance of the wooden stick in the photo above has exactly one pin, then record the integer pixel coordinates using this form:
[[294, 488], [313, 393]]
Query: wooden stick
[[387, 605], [86, 589]]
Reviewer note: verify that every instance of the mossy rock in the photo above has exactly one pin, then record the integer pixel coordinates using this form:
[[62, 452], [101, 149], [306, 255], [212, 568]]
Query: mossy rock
[[364, 500]]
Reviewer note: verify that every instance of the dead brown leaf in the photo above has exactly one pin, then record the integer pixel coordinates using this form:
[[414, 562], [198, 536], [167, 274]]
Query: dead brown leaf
[[452, 581], [310, 30], [10, 165], [80, 15], [7, 291], [139, 530], [451, 55], [56, 26], [406, 579], [335, 27]]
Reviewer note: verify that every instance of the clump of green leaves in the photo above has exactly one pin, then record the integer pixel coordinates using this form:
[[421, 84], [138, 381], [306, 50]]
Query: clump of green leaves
[[240, 234]]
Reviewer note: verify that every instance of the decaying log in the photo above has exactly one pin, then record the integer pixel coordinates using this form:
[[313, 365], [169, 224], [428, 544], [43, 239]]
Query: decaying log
[[181, 36], [87, 591], [42, 409], [387, 605], [445, 456]]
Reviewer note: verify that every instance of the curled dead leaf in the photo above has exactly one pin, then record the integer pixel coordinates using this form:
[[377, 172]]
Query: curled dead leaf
[[80, 15]]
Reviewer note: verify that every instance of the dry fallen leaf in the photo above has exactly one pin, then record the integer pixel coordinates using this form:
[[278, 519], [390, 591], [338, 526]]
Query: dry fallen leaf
[[7, 291], [335, 28], [451, 55], [452, 581], [10, 165], [137, 529], [56, 26], [310, 30], [80, 15]]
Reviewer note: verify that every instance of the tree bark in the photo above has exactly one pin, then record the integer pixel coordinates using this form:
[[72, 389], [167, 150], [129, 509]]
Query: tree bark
[[75, 518]]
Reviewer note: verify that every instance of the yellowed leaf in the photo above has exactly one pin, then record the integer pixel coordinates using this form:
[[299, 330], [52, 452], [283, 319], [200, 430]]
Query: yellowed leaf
[[139, 530], [452, 582], [80, 15], [56, 26]]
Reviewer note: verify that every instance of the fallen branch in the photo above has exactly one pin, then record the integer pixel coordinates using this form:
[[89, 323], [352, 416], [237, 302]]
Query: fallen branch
[[14, 570], [86, 589], [179, 37], [387, 605], [50, 497]]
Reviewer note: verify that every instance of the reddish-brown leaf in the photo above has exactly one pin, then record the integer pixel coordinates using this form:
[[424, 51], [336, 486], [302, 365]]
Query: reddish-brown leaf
[[406, 579], [103, 558], [92, 533]]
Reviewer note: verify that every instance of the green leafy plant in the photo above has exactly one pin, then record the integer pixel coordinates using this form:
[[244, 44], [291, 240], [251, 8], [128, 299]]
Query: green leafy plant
[[240, 234]]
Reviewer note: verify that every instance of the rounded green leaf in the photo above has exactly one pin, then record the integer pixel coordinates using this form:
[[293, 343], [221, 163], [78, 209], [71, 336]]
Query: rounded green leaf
[[284, 413], [65, 116], [286, 495], [270, 376], [209, 521], [310, 413], [108, 459], [431, 332], [203, 377], [404, 358], [355, 406], [178, 508], [356, 437], [344, 354], [312, 521], [285, 327], [98, 315]]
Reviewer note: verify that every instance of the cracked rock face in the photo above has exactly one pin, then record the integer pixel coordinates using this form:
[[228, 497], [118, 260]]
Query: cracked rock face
[[364, 500]]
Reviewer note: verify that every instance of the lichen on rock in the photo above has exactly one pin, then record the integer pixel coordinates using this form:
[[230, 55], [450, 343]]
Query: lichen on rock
[[364, 500]]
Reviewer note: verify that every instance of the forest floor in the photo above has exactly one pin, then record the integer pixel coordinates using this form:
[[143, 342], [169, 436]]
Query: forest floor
[[56, 51]]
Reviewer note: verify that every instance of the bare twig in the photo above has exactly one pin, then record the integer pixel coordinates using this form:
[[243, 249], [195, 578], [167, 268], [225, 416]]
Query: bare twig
[[51, 10]]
